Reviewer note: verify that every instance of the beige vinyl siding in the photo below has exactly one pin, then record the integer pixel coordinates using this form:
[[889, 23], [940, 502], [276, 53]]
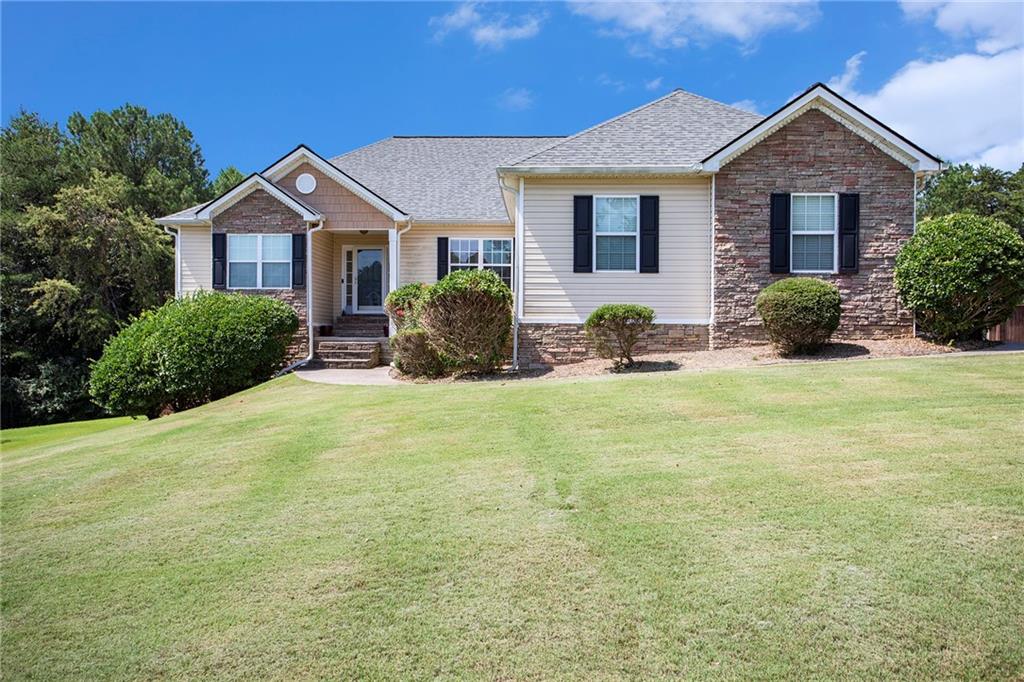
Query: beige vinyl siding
[[680, 291], [419, 247], [343, 240], [195, 259], [323, 271], [342, 210]]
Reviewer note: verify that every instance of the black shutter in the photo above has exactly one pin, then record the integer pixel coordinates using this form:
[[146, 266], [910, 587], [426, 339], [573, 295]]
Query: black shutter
[[442, 258], [779, 248], [582, 233], [849, 231], [220, 258], [298, 261], [649, 234]]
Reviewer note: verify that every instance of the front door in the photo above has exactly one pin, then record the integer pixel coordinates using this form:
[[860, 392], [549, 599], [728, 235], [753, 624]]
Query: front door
[[369, 281]]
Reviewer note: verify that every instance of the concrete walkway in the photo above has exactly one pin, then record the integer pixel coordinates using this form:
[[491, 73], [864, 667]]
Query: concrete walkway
[[378, 376]]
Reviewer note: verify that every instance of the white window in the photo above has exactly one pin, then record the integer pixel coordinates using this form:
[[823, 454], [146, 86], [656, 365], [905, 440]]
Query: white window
[[616, 233], [259, 261], [486, 254], [813, 225]]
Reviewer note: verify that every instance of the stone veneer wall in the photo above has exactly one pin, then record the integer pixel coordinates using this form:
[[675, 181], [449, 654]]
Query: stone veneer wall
[[813, 153], [260, 213], [543, 345]]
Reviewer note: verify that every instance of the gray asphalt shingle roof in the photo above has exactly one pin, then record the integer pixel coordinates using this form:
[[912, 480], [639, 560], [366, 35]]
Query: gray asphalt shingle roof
[[439, 178], [679, 129]]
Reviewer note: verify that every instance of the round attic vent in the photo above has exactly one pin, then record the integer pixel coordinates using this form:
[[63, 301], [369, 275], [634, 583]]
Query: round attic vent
[[305, 183]]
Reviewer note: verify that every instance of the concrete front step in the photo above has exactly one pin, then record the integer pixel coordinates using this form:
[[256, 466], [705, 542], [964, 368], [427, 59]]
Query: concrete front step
[[347, 353]]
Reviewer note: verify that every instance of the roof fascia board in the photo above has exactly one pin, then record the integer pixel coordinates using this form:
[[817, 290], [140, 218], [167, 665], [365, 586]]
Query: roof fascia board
[[182, 221], [303, 154], [923, 161], [600, 170], [249, 185]]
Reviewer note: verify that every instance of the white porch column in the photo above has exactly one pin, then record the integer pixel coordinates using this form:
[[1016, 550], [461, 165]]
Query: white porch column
[[393, 264]]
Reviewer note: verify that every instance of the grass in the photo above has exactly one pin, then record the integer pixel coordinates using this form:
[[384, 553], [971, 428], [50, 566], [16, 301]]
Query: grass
[[854, 520], [14, 439]]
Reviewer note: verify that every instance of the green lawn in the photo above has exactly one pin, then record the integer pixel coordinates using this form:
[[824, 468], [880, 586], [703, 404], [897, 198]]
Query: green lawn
[[15, 439], [861, 519]]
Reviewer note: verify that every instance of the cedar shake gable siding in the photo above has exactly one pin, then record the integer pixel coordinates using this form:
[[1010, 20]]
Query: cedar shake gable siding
[[341, 209], [812, 153], [260, 213]]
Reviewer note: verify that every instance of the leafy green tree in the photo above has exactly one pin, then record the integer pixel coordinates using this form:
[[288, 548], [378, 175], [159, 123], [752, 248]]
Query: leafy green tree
[[30, 151], [980, 190], [226, 179], [155, 153], [106, 262]]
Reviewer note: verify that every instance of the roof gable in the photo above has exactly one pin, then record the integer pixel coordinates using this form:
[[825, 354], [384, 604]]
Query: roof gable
[[819, 96], [674, 131], [303, 154], [246, 187]]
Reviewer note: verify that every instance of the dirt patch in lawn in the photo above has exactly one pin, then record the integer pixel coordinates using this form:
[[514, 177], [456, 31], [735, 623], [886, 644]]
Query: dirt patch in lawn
[[746, 356]]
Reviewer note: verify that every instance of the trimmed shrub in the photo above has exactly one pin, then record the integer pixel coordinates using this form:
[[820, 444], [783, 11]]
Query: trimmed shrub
[[961, 274], [415, 355], [402, 304], [615, 328], [468, 319], [799, 313], [191, 351]]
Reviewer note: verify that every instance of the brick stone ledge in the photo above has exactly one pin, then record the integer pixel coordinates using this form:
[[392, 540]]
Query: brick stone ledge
[[546, 344]]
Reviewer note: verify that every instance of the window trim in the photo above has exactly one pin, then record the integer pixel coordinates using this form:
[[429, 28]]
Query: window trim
[[635, 234], [811, 233], [259, 260], [480, 265]]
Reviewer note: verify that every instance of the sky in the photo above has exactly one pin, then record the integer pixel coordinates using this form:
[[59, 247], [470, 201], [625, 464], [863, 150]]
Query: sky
[[254, 79]]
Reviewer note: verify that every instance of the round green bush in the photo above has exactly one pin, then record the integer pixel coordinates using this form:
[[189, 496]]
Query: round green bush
[[415, 355], [191, 351], [961, 274], [468, 319], [799, 313], [402, 305], [615, 329]]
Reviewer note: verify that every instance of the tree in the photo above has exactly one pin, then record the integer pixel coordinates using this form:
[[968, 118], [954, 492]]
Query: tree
[[31, 172], [106, 262], [981, 190], [156, 154], [226, 179]]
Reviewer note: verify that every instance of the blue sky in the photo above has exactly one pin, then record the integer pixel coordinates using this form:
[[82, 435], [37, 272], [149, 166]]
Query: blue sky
[[252, 80]]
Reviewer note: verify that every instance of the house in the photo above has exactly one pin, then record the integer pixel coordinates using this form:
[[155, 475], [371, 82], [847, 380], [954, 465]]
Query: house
[[684, 204]]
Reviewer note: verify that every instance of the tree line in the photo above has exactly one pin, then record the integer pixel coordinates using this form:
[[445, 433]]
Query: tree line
[[80, 255]]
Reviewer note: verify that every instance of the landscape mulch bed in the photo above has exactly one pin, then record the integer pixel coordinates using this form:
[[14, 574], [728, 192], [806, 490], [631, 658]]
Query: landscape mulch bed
[[746, 356]]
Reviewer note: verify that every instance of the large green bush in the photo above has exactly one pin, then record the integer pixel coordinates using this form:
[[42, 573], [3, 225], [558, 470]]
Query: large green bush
[[468, 319], [402, 305], [615, 329], [799, 313], [961, 274], [191, 351]]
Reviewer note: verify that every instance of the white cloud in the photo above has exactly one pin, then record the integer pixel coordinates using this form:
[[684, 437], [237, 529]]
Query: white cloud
[[969, 107], [746, 105], [492, 31], [995, 26], [515, 99], [653, 84], [675, 24], [844, 82], [606, 81]]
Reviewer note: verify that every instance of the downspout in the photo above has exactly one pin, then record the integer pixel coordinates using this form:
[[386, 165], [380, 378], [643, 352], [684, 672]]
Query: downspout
[[711, 313], [396, 266], [175, 234], [309, 301], [518, 279]]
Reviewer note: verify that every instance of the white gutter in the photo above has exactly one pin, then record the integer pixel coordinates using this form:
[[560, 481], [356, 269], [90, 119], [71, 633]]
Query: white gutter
[[309, 301], [518, 279], [691, 169], [711, 313], [176, 234]]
